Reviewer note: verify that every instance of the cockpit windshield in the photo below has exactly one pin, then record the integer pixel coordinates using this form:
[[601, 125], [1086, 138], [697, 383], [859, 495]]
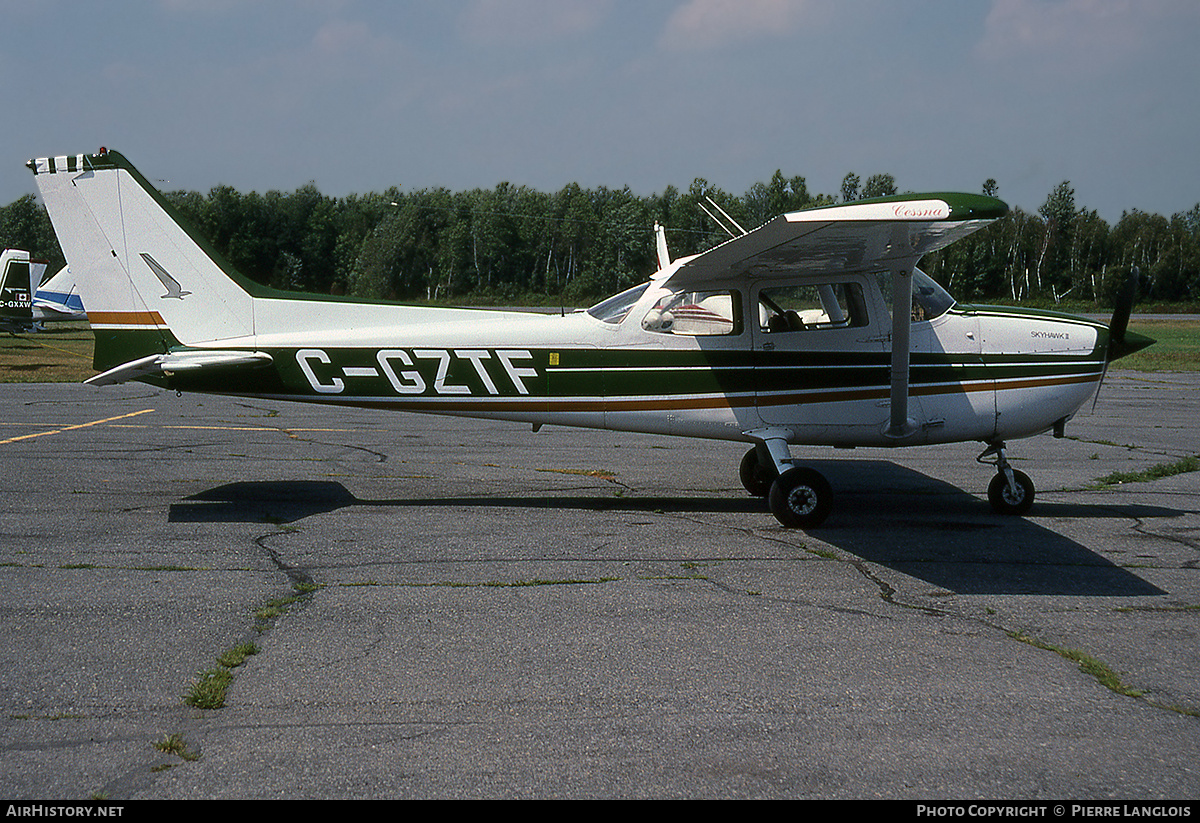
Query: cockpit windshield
[[929, 300], [614, 309]]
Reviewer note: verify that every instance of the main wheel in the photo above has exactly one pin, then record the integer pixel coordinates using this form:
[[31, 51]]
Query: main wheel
[[1006, 500], [756, 478], [801, 498]]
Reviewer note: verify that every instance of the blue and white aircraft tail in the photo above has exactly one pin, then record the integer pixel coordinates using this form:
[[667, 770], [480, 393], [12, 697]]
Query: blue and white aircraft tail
[[27, 301]]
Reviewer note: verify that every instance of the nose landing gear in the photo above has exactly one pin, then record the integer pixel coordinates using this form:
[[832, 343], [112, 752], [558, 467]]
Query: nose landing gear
[[1011, 491]]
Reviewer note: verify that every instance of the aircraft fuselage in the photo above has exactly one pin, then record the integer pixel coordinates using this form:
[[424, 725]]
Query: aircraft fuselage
[[977, 373]]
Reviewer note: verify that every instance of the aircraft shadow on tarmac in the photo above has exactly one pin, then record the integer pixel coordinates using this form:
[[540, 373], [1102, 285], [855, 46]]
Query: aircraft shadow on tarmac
[[883, 513]]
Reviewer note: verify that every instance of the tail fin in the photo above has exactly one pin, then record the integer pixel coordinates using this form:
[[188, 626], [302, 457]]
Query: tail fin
[[660, 240], [19, 278], [148, 283], [60, 294]]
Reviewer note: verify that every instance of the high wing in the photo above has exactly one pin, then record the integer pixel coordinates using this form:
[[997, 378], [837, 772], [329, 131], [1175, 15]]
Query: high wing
[[887, 234], [879, 234]]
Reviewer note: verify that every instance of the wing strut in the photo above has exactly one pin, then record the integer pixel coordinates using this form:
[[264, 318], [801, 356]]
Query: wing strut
[[725, 214], [901, 425]]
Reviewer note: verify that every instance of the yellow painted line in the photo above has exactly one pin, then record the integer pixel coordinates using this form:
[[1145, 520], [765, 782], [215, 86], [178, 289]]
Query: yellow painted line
[[203, 428], [228, 428], [73, 428]]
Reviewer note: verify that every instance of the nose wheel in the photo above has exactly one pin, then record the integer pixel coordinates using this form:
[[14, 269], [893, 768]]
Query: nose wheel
[[1011, 491]]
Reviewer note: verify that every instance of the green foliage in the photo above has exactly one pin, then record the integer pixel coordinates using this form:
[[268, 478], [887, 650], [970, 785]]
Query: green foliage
[[879, 185], [237, 655], [512, 243], [1155, 472], [176, 745], [24, 224], [209, 690]]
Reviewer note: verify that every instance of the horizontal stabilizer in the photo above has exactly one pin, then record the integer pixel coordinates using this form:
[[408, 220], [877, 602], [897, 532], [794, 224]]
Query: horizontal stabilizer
[[172, 362]]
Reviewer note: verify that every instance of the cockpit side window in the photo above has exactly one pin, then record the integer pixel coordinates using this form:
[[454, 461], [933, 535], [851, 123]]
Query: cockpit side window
[[695, 313], [811, 306]]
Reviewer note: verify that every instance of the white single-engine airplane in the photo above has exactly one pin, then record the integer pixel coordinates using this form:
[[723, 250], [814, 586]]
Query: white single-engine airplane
[[780, 336]]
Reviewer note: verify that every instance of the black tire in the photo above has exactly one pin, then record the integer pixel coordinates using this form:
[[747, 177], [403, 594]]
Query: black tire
[[1011, 501], [801, 498], [756, 478]]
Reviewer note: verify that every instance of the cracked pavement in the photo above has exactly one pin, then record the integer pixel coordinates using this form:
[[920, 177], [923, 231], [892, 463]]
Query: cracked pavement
[[485, 611]]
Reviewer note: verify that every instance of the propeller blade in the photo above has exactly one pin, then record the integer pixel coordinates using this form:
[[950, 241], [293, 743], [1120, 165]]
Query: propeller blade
[[1120, 340]]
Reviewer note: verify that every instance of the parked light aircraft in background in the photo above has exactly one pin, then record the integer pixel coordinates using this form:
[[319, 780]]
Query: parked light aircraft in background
[[814, 329], [26, 302]]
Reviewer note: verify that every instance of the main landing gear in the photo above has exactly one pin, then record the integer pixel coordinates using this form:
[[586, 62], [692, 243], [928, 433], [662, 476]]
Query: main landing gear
[[1011, 491], [800, 497]]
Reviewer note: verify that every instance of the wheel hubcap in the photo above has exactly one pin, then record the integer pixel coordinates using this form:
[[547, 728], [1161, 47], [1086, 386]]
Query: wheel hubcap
[[801, 500]]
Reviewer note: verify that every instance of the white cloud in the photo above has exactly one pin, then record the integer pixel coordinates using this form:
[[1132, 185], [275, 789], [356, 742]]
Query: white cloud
[[701, 24], [1089, 32], [523, 22]]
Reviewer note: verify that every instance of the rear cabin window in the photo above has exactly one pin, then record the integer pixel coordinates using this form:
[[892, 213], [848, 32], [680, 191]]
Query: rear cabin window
[[811, 306], [695, 313]]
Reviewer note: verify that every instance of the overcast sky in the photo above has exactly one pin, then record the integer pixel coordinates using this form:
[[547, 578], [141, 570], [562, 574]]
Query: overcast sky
[[360, 95]]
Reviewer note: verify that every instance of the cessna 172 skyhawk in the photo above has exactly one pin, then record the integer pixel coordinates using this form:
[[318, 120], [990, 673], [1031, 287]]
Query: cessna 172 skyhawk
[[781, 336]]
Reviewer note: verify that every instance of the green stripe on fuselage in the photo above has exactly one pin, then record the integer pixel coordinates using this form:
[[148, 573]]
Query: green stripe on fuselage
[[458, 375]]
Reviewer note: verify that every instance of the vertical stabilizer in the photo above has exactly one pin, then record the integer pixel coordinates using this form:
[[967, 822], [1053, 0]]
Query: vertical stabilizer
[[147, 282], [660, 239], [19, 277]]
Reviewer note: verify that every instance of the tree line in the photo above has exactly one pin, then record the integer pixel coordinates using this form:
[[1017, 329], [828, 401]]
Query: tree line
[[514, 243]]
